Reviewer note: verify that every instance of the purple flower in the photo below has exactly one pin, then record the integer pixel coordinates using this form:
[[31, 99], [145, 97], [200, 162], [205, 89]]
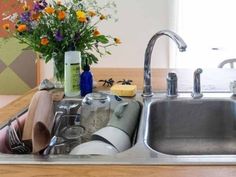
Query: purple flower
[[39, 5], [25, 17], [58, 36]]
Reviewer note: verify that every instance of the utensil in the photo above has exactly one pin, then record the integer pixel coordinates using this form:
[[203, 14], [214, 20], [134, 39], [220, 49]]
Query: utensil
[[16, 145]]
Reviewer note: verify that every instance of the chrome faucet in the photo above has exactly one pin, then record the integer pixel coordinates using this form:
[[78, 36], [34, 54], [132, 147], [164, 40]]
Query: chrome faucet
[[147, 90], [197, 84], [171, 91]]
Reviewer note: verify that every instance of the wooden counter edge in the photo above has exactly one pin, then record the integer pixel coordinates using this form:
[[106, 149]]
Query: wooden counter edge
[[115, 171], [16, 106]]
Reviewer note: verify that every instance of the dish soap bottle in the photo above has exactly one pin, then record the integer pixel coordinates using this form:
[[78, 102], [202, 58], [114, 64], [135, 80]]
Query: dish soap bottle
[[72, 70], [86, 81]]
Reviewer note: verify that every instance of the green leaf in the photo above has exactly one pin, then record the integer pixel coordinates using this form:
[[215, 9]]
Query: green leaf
[[102, 39]]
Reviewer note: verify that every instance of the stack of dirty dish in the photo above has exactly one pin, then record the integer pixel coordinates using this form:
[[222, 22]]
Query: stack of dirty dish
[[116, 136]]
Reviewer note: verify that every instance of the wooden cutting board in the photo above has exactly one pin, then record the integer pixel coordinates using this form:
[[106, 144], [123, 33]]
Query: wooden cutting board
[[39, 123]]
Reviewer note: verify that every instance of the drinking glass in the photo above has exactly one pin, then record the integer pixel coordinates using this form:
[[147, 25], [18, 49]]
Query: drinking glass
[[95, 113], [68, 133]]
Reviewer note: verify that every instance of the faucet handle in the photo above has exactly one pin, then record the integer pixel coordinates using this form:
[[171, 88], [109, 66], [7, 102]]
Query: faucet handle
[[197, 84], [171, 85]]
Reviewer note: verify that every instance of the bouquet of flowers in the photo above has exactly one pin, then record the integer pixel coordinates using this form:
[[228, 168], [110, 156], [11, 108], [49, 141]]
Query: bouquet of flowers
[[52, 29]]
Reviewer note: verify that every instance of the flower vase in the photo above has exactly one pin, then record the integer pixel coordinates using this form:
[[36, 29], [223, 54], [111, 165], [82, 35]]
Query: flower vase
[[58, 72]]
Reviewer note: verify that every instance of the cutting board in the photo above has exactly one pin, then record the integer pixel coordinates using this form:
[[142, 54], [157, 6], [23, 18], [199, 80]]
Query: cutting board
[[39, 122]]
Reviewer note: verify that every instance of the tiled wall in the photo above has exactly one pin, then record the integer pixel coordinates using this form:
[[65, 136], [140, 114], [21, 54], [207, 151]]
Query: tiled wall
[[17, 65]]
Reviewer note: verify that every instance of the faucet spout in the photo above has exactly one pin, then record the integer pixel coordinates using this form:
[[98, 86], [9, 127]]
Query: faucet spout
[[147, 90]]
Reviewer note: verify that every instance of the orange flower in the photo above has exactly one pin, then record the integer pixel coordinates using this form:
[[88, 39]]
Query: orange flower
[[61, 15], [6, 26], [81, 16], [36, 16], [22, 28], [96, 32], [117, 40], [49, 10], [102, 17], [44, 41], [91, 13]]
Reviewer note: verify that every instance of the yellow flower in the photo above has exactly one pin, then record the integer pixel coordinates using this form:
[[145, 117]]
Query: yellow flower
[[6, 26], [49, 10], [61, 15], [81, 16], [91, 13], [22, 28], [44, 41], [117, 40], [25, 7], [96, 32], [102, 17]]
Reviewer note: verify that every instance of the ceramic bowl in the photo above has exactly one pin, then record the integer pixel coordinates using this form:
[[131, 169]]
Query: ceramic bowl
[[94, 147]]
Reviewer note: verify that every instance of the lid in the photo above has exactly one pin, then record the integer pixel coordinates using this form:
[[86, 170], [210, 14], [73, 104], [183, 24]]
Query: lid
[[86, 67]]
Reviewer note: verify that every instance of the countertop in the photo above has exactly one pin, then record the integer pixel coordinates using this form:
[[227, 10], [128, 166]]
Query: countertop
[[136, 75]]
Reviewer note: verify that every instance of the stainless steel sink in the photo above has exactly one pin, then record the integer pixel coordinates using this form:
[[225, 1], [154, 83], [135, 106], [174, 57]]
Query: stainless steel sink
[[179, 131], [192, 126]]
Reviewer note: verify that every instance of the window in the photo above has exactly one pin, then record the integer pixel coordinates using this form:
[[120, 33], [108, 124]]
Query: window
[[209, 29]]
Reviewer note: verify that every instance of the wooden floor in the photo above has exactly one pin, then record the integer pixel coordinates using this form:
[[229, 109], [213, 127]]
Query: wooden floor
[[6, 99]]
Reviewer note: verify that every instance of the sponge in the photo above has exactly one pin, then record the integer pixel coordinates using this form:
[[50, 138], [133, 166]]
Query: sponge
[[124, 90]]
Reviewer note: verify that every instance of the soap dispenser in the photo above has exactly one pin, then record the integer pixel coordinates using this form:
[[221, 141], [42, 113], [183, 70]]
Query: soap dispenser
[[86, 80]]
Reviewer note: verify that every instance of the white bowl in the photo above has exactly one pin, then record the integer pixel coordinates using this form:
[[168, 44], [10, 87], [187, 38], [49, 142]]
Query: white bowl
[[94, 148], [118, 138]]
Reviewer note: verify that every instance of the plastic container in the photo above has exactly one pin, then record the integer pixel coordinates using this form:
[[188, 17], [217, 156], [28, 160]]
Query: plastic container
[[72, 70], [114, 136], [125, 117]]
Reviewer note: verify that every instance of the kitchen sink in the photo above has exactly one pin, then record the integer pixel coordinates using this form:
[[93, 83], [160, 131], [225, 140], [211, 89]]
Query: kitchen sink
[[171, 131], [192, 126]]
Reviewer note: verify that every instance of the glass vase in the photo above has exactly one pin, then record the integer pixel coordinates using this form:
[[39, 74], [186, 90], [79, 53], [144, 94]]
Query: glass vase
[[58, 72]]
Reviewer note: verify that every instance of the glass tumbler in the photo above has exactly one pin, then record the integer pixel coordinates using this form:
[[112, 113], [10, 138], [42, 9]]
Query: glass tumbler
[[68, 133], [95, 113]]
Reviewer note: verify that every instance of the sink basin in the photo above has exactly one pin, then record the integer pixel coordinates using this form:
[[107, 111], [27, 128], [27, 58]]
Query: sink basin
[[192, 127], [179, 131]]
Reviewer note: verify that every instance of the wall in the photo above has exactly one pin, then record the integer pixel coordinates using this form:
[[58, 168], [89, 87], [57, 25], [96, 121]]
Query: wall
[[17, 65], [138, 21]]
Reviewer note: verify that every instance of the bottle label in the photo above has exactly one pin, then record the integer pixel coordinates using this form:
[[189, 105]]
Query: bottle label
[[72, 79], [75, 77]]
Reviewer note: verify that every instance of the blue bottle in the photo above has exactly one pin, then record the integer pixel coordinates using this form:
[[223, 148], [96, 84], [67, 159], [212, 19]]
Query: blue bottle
[[86, 81]]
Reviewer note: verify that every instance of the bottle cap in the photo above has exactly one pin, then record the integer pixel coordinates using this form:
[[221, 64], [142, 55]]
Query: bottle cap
[[86, 67]]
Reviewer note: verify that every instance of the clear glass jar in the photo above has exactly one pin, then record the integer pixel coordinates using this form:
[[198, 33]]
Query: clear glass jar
[[95, 113]]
